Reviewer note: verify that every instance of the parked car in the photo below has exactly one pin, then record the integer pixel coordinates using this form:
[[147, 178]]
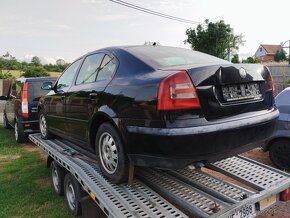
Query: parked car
[[278, 144], [159, 106], [20, 110]]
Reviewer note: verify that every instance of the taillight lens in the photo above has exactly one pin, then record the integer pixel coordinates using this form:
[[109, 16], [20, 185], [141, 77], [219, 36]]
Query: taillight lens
[[177, 92], [285, 195], [270, 84], [24, 100]]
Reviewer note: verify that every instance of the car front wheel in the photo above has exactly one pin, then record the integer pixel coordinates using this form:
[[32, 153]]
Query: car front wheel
[[280, 153], [110, 153]]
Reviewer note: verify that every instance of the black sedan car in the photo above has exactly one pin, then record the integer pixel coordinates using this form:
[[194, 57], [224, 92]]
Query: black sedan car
[[158, 106]]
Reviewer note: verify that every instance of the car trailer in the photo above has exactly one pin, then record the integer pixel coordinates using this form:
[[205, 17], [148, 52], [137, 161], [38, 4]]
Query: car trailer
[[185, 192]]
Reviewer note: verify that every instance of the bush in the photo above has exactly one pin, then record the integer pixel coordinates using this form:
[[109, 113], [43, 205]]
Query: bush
[[35, 71]]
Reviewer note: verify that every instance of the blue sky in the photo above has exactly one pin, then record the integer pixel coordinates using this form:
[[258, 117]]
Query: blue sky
[[53, 29]]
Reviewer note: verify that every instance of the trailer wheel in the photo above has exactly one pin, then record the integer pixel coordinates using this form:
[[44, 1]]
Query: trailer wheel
[[280, 153], [45, 134], [57, 178], [110, 152], [73, 195]]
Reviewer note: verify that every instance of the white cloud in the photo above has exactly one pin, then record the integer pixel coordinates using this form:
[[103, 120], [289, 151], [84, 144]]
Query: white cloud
[[109, 17], [44, 60]]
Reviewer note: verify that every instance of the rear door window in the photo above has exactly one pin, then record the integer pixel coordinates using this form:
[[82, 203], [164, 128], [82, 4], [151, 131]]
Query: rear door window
[[107, 68], [89, 69]]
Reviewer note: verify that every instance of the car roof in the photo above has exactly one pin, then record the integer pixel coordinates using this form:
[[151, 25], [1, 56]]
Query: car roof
[[31, 79]]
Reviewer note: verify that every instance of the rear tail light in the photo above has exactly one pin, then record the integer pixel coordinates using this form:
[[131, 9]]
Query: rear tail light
[[24, 100], [270, 84], [285, 195], [177, 92]]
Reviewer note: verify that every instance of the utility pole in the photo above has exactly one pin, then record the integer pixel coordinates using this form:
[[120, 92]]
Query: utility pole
[[283, 46]]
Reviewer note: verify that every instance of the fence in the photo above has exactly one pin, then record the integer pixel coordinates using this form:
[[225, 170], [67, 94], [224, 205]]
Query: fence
[[281, 76], [4, 86]]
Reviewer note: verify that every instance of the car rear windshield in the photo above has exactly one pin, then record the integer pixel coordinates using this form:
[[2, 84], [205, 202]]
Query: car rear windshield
[[35, 91], [170, 56]]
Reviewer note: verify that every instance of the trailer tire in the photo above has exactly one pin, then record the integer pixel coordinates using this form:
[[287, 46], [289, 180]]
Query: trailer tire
[[279, 153], [57, 174], [73, 195], [111, 155]]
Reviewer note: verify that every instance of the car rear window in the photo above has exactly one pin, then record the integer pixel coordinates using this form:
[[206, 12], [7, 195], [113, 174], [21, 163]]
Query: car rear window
[[170, 56], [35, 91]]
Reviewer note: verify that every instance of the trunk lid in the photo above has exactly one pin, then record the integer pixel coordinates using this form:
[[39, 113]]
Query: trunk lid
[[226, 90]]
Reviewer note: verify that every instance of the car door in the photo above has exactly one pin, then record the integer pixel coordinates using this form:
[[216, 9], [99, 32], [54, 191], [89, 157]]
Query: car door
[[83, 99], [55, 110]]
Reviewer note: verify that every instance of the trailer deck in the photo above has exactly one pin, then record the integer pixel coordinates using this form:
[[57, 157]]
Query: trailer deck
[[175, 193]]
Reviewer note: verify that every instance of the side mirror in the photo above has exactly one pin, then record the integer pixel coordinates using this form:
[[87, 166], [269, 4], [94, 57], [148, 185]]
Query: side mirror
[[47, 86], [3, 98]]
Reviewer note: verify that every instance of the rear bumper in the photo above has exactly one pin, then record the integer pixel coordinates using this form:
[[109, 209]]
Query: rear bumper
[[30, 127], [178, 147]]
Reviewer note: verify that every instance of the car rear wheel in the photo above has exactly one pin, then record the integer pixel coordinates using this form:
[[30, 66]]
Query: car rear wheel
[[45, 134], [280, 153], [5, 122], [20, 136], [110, 152]]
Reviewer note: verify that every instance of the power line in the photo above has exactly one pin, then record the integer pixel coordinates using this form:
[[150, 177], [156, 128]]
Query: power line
[[145, 10]]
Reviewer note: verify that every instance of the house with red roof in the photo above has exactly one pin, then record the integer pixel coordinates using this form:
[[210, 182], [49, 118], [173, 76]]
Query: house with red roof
[[266, 53]]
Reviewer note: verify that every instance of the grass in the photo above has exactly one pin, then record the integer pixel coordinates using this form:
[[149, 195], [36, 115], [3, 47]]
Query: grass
[[25, 188], [17, 73]]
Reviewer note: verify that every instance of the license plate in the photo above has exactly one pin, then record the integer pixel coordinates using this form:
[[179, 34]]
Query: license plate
[[241, 92], [247, 211], [267, 202]]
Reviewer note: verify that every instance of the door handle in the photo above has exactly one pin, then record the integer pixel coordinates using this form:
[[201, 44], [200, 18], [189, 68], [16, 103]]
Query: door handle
[[93, 94]]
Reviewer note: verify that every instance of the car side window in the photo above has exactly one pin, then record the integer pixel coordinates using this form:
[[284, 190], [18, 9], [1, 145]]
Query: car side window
[[107, 68], [89, 69], [67, 77]]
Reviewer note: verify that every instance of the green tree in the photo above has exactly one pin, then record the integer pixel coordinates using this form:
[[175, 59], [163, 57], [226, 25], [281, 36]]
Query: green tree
[[35, 71], [235, 59], [216, 39], [251, 60], [35, 61], [6, 75], [280, 56]]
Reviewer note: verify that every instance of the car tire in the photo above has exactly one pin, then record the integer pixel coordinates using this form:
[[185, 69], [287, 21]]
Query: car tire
[[111, 155], [279, 153], [73, 195], [57, 178], [45, 134], [20, 136], [6, 125]]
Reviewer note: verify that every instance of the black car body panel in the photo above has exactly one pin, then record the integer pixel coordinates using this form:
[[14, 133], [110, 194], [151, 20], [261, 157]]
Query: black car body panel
[[282, 125], [13, 111], [165, 138]]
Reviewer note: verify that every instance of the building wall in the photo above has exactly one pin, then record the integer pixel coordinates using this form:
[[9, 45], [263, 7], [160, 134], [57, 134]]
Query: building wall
[[260, 53]]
